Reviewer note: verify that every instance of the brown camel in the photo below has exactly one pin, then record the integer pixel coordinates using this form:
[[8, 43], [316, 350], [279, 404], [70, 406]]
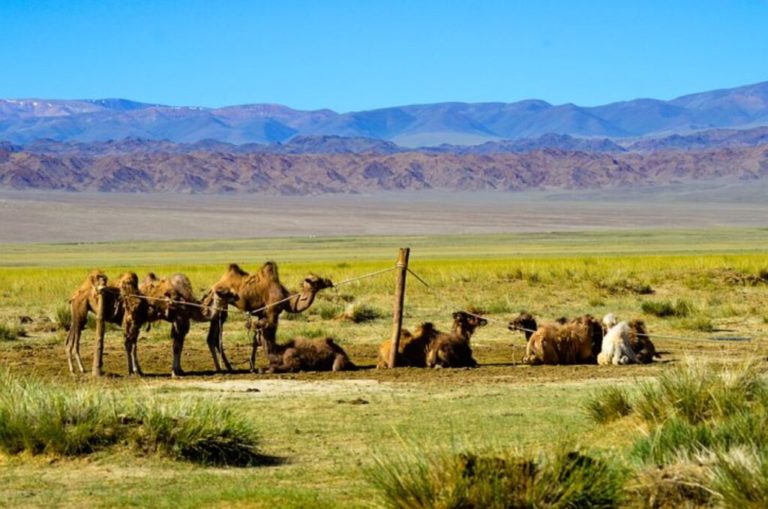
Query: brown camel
[[262, 296], [572, 343], [453, 350], [171, 299], [414, 347], [85, 300], [302, 354]]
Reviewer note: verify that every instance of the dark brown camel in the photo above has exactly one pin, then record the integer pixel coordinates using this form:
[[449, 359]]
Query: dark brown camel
[[302, 354], [263, 297], [453, 350]]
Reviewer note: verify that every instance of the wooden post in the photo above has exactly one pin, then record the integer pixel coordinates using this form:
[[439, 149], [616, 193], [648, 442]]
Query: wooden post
[[98, 354], [397, 316]]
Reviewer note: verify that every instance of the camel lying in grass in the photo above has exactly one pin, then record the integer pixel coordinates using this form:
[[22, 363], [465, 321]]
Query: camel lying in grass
[[303, 354], [453, 350], [263, 297], [575, 342], [414, 347], [639, 341]]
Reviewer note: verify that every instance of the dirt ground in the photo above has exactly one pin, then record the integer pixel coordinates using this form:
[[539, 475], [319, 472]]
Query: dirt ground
[[43, 354], [88, 217]]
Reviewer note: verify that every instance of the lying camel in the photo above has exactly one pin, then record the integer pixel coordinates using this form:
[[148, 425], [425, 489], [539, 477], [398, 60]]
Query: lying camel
[[302, 354], [572, 343], [639, 341], [85, 300], [616, 346], [262, 296], [414, 347], [453, 350]]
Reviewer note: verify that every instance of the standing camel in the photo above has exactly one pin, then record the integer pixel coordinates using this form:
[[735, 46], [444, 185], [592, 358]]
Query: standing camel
[[172, 300], [85, 299], [262, 296]]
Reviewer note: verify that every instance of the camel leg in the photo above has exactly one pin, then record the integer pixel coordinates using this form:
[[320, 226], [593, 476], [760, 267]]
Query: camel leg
[[213, 334], [339, 363], [79, 320], [257, 338], [179, 330], [221, 349]]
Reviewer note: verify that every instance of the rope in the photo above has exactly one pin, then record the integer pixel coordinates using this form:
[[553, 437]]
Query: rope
[[346, 281]]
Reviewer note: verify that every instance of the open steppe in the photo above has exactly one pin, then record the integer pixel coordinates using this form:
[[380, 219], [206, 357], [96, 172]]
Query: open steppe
[[326, 429]]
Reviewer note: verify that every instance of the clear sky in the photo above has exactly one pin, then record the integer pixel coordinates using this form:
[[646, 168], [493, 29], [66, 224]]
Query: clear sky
[[356, 55]]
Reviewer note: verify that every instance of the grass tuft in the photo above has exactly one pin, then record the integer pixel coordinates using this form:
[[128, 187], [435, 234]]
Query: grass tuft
[[608, 404], [10, 332], [564, 479], [359, 313], [46, 419], [664, 309]]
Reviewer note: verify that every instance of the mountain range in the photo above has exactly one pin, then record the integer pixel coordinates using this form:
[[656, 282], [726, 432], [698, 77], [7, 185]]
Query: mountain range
[[23, 121], [120, 145]]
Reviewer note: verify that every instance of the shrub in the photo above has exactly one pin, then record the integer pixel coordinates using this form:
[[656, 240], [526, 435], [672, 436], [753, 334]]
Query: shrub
[[664, 309], [359, 313], [564, 479], [608, 404], [40, 418], [64, 317], [740, 478], [11, 332]]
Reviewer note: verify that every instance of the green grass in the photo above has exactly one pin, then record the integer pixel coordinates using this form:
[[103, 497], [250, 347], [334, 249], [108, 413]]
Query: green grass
[[326, 442], [560, 479], [39, 418]]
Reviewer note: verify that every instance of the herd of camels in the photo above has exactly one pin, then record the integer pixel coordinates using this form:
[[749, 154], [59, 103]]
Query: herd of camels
[[132, 304]]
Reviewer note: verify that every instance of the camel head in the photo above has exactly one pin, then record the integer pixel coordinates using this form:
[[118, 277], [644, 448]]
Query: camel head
[[128, 283], [313, 284], [98, 279], [524, 322], [467, 322], [609, 321]]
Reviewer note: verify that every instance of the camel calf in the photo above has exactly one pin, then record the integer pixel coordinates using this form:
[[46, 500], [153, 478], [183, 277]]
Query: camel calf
[[303, 354], [640, 342]]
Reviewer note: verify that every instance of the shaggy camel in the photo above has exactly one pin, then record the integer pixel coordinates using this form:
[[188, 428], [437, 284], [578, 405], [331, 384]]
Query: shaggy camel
[[302, 354], [572, 343], [172, 300], [641, 343], [85, 300], [263, 296], [616, 346], [453, 350], [413, 348]]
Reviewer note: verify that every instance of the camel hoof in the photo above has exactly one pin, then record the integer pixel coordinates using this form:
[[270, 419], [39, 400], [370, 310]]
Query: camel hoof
[[177, 374]]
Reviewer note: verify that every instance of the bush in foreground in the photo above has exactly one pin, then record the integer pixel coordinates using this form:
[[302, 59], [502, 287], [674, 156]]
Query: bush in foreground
[[39, 418], [564, 479]]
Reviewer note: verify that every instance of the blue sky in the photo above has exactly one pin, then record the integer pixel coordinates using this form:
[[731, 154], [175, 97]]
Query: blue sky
[[355, 55]]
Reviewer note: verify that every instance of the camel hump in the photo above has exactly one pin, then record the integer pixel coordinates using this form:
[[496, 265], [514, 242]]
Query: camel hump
[[182, 285], [236, 270], [425, 329], [269, 271]]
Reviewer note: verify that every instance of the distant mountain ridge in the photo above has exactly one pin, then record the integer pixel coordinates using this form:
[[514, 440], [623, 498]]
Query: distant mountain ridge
[[454, 123]]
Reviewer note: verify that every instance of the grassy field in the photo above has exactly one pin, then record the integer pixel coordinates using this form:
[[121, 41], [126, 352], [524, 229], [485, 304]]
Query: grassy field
[[326, 430]]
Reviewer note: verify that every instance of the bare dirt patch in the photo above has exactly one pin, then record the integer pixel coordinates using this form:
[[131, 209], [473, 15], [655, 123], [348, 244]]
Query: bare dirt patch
[[88, 217]]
